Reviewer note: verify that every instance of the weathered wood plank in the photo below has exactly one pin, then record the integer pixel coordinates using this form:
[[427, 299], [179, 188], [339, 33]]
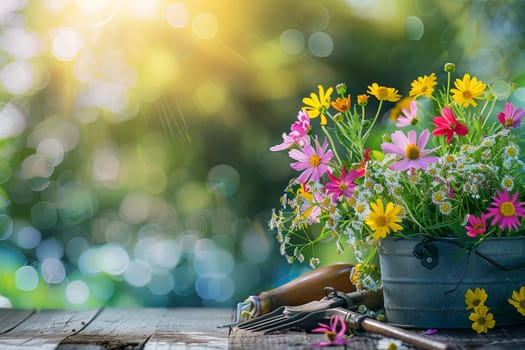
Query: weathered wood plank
[[193, 328], [10, 318], [119, 328], [45, 329]]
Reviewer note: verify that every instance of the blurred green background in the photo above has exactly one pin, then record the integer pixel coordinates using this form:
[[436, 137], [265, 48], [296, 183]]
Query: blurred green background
[[134, 162]]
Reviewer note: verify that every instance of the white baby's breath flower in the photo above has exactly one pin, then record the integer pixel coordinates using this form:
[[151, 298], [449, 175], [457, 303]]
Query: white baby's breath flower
[[445, 208], [507, 182], [438, 197], [391, 344], [314, 262], [512, 151]]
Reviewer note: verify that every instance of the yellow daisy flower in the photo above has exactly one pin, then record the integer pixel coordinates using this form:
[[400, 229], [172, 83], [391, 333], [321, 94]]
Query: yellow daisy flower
[[384, 93], [316, 105], [482, 319], [423, 86], [475, 298], [382, 220], [467, 90], [518, 300]]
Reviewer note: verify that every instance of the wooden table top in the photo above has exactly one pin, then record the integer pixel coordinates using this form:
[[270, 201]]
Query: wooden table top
[[182, 328]]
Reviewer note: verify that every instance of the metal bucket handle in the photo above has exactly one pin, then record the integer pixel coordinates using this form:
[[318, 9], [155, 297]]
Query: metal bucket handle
[[429, 255]]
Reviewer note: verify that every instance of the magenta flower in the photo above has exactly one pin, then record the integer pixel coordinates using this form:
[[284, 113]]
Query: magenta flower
[[298, 134], [510, 117], [409, 116], [334, 332], [313, 162], [344, 185], [412, 150], [447, 124], [506, 210], [478, 225]]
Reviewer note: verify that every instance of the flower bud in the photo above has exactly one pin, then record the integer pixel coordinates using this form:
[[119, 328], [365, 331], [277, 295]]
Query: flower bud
[[338, 118], [449, 67], [387, 138], [362, 100], [341, 88]]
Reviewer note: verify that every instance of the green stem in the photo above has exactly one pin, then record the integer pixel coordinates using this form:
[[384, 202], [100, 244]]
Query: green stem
[[332, 145], [365, 136]]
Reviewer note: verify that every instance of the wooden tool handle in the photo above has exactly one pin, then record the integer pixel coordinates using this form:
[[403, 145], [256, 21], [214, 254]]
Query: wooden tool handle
[[307, 287]]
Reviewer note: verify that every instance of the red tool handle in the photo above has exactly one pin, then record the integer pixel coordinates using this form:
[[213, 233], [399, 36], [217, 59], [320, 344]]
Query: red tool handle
[[307, 287]]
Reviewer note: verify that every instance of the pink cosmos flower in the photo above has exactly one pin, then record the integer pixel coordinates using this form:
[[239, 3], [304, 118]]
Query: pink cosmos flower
[[478, 225], [447, 124], [510, 117], [344, 185], [506, 210], [298, 134], [313, 162], [409, 116], [333, 335], [412, 150]]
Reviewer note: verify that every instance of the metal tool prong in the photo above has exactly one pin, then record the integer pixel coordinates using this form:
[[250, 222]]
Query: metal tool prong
[[243, 307]]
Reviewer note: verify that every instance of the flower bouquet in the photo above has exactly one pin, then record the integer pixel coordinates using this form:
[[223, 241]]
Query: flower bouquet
[[446, 170]]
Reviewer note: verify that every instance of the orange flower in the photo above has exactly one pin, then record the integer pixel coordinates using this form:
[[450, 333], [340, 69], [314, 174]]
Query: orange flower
[[342, 104]]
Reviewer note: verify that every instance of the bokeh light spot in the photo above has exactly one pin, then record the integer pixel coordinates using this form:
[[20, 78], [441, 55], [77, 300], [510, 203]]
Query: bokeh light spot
[[414, 28], [77, 292], [5, 171], [320, 44], [205, 25], [292, 41], [53, 271], [5, 303], [44, 215], [66, 44], [26, 278], [17, 77], [49, 249], [135, 208], [20, 43], [161, 282], [223, 180], [138, 273], [6, 226], [12, 121], [177, 15], [28, 237], [52, 149], [255, 247]]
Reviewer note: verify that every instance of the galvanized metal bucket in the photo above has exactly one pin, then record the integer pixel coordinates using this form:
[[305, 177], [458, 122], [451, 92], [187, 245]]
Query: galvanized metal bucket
[[425, 280]]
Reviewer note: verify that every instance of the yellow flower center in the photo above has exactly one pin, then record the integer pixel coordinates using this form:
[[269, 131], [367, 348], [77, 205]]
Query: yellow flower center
[[478, 227], [522, 304], [507, 209], [381, 221], [330, 335], [392, 346], [342, 186], [412, 152], [481, 320], [315, 160], [509, 122], [467, 95], [382, 92]]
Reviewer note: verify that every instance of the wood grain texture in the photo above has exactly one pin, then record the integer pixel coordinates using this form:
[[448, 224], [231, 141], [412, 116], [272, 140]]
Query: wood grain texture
[[45, 329], [190, 328], [10, 318]]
